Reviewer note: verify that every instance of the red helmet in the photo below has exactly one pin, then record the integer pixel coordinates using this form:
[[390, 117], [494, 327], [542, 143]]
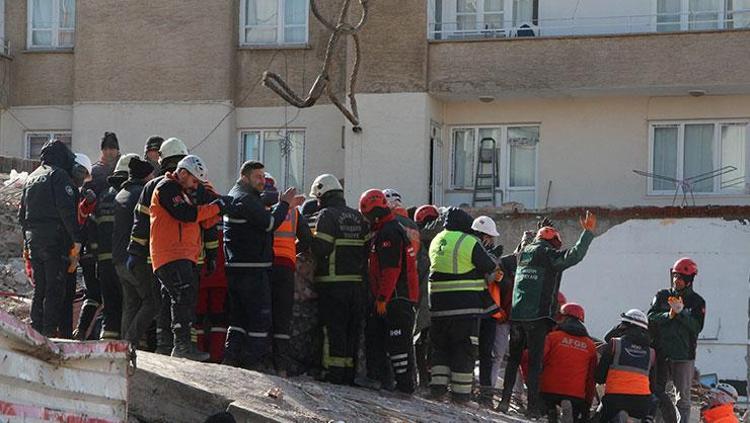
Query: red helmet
[[574, 310], [548, 233], [426, 212], [685, 266], [561, 300], [372, 199]]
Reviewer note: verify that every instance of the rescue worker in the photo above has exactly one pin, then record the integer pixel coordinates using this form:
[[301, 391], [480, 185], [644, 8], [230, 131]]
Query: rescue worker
[[340, 258], [248, 250], [139, 258], [458, 265], [103, 168], [51, 233], [567, 378], [104, 219], [624, 367], [175, 245], [537, 282], [720, 407], [140, 296], [293, 236], [676, 318], [486, 230], [151, 150], [425, 217], [394, 285]]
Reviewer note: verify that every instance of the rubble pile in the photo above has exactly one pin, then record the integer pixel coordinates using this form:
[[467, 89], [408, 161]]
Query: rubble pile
[[15, 289]]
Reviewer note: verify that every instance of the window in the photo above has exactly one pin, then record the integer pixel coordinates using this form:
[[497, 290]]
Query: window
[[696, 15], [479, 18], [51, 23], [282, 152], [516, 159], [35, 140], [273, 22], [684, 150]]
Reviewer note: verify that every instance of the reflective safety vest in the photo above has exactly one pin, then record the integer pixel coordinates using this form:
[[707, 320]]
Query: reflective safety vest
[[450, 253], [628, 373], [285, 237], [494, 289], [720, 414]]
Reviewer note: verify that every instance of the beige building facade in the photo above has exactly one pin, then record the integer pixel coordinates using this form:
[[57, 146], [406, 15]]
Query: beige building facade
[[574, 97]]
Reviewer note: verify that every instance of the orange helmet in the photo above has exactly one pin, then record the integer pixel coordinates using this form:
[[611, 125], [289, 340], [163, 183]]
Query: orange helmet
[[574, 310], [551, 235], [685, 266], [425, 213], [372, 199]]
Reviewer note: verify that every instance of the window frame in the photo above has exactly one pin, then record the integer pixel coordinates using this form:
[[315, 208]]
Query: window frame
[[280, 179], [504, 160], [716, 150], [686, 18], [280, 26], [50, 135], [56, 28]]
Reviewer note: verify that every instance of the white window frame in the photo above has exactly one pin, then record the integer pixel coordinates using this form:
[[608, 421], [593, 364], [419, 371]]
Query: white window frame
[[50, 135], [504, 146], [686, 16], [55, 45], [280, 179], [280, 26], [716, 151]]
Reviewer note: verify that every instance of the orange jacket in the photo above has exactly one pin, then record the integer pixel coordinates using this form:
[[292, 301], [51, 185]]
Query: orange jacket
[[176, 223], [285, 239], [569, 362], [721, 414]]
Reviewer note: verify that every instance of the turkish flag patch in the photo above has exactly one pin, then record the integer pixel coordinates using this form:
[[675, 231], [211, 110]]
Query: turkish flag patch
[[386, 244], [177, 200]]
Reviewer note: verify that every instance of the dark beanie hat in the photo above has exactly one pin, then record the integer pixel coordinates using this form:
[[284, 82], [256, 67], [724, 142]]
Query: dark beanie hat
[[109, 140], [139, 169], [154, 143]]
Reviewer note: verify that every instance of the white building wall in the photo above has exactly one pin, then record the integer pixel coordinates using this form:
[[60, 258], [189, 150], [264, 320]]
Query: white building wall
[[392, 151], [629, 263], [17, 121]]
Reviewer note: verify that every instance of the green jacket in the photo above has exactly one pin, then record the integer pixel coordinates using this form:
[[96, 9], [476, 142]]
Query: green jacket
[[677, 338], [538, 277]]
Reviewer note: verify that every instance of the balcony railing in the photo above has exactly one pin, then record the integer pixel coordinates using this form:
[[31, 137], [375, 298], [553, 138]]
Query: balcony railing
[[582, 26]]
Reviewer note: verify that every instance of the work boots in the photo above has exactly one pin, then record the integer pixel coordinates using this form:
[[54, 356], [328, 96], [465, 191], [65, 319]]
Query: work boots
[[486, 397], [183, 348], [164, 342]]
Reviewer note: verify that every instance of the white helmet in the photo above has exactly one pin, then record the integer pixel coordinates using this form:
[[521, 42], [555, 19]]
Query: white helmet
[[723, 393], [172, 147], [122, 164], [323, 184], [393, 197], [195, 166], [84, 161], [636, 317], [485, 225]]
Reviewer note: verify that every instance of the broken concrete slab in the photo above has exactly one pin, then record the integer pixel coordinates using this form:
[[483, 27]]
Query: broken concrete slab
[[164, 389]]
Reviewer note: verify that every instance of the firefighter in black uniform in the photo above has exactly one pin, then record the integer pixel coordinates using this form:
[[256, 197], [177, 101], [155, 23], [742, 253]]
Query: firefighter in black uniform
[[341, 257], [51, 233], [394, 285]]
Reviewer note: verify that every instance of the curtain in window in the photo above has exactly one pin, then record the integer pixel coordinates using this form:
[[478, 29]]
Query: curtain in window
[[668, 15], [261, 18], [493, 14], [295, 156], [466, 14], [272, 155], [665, 157], [698, 154], [41, 22], [522, 142], [704, 14], [523, 12], [295, 17], [250, 146], [733, 153], [67, 22], [463, 158]]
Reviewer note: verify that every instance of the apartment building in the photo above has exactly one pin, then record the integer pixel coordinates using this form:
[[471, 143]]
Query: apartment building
[[575, 94]]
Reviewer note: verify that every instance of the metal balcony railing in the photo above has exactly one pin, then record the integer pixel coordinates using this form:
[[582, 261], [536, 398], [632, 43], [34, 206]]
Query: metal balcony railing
[[582, 26]]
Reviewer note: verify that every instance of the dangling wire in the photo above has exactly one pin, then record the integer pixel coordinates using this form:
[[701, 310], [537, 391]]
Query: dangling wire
[[323, 82]]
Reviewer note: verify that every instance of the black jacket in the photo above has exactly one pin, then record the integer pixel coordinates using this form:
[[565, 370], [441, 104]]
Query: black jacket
[[125, 202], [677, 338], [100, 171], [49, 206], [249, 227], [339, 242], [139, 236]]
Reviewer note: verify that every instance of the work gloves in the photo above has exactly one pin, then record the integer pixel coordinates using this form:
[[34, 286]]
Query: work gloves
[[73, 256], [675, 306], [89, 197], [588, 223], [380, 306]]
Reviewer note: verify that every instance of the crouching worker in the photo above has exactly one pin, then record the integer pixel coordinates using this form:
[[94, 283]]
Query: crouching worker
[[569, 361], [624, 367], [394, 284], [720, 408]]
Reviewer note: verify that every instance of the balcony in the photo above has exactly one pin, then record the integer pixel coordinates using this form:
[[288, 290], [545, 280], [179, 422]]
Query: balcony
[[549, 21]]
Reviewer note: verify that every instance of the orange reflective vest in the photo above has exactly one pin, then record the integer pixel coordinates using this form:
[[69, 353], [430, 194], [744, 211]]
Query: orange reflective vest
[[628, 373], [721, 414], [285, 237], [494, 289]]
